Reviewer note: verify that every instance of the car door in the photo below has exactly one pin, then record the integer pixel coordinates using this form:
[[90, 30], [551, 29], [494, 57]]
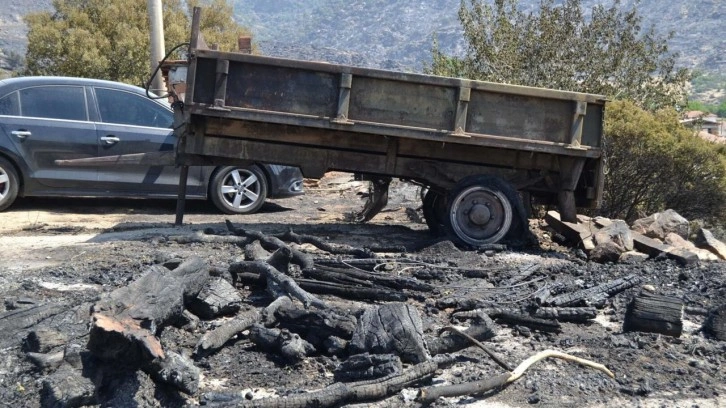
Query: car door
[[132, 123], [52, 123]]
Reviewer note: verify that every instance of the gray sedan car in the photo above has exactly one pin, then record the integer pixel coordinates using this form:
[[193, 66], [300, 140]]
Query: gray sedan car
[[46, 119]]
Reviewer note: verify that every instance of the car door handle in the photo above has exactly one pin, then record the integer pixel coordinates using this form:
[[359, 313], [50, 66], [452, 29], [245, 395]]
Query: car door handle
[[21, 134], [109, 140]]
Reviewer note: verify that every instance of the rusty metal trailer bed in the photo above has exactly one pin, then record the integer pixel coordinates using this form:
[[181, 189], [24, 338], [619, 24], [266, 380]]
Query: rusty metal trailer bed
[[474, 144]]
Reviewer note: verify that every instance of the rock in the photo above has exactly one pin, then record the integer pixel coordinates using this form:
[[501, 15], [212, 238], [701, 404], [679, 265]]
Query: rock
[[660, 224], [67, 387], [607, 252], [677, 241], [618, 233], [632, 257], [706, 240]]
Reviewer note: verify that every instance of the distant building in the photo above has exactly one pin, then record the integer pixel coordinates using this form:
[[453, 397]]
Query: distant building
[[706, 124]]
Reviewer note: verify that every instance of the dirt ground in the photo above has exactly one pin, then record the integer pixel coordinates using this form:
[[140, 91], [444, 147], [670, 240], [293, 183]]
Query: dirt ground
[[72, 250]]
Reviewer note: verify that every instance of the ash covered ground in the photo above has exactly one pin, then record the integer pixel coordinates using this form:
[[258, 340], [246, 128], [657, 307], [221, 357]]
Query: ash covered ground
[[69, 252]]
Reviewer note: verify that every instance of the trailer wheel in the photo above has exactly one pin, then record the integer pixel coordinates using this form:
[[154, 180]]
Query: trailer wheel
[[9, 185], [480, 210], [434, 212], [238, 190]]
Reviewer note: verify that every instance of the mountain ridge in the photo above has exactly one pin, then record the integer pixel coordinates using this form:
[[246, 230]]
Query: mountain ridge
[[399, 35]]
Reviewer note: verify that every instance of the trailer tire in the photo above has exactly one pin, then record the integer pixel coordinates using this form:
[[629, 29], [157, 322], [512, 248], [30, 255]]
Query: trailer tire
[[434, 212], [9, 184], [483, 210], [238, 190]]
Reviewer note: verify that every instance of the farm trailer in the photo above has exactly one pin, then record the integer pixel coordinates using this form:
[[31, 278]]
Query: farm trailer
[[478, 147]]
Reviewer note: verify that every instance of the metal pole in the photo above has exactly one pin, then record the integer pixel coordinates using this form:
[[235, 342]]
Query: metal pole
[[156, 24]]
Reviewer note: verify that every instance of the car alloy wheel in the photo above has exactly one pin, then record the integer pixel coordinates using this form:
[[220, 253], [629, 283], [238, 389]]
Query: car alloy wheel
[[239, 190]]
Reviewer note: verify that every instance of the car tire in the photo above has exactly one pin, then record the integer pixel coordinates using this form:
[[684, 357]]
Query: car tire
[[9, 184], [238, 190]]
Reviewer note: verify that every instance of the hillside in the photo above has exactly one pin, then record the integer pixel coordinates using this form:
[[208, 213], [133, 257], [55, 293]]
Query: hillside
[[398, 35]]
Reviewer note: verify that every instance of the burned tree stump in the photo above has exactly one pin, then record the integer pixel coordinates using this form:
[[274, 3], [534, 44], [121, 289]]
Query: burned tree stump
[[391, 328], [655, 314]]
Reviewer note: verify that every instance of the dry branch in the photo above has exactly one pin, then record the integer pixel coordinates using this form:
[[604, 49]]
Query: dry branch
[[430, 394], [215, 339]]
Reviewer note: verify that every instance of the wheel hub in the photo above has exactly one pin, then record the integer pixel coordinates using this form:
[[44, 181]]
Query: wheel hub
[[479, 214]]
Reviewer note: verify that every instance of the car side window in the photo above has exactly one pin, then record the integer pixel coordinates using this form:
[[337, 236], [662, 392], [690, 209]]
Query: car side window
[[131, 109], [9, 105], [54, 102]]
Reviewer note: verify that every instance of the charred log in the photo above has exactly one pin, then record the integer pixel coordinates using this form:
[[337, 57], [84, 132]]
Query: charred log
[[327, 288], [286, 283], [655, 314], [316, 325], [391, 328], [716, 323], [217, 338], [289, 345], [482, 329], [368, 366], [596, 294], [358, 277], [335, 249], [566, 314], [271, 243]]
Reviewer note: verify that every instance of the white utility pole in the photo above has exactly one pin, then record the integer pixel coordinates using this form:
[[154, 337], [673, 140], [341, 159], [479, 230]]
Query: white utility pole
[[156, 24]]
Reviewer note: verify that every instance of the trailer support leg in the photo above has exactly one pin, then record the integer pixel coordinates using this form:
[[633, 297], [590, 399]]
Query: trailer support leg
[[566, 205], [182, 195]]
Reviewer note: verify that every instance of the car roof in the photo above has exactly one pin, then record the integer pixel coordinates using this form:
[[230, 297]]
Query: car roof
[[21, 82], [9, 85]]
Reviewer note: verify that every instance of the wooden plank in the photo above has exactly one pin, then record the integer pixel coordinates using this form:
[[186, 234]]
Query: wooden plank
[[580, 234]]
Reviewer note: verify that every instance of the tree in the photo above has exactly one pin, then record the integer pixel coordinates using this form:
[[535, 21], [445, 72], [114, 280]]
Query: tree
[[110, 39], [559, 47], [654, 163]]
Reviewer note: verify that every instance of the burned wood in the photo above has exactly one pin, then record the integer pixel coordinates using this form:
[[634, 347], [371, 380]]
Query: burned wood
[[45, 361], [716, 323], [367, 366], [482, 329], [586, 296], [430, 394], [391, 328], [175, 370], [201, 237], [335, 249], [217, 338], [338, 393], [158, 297], [44, 340], [566, 314], [522, 274], [459, 303], [316, 325], [486, 349], [13, 321], [271, 243], [289, 345], [328, 288], [67, 387], [653, 313], [218, 297], [543, 294], [354, 276], [285, 282], [515, 318]]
